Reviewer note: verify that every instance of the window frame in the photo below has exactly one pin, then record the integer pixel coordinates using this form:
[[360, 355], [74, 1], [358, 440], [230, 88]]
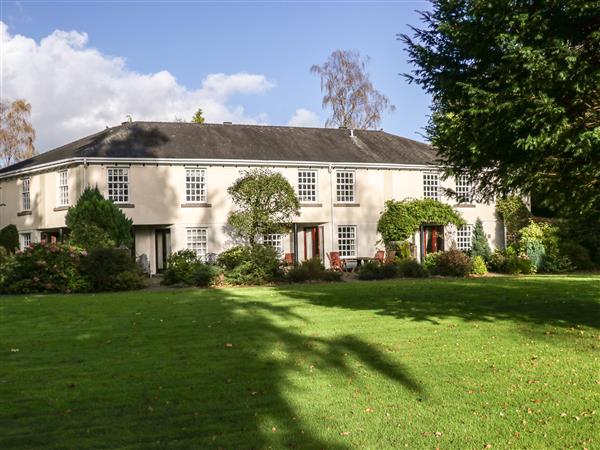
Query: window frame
[[465, 197], [428, 177], [315, 173], [25, 194], [343, 253], [190, 245], [337, 185], [22, 239], [123, 184], [63, 188], [274, 240], [463, 242], [203, 193]]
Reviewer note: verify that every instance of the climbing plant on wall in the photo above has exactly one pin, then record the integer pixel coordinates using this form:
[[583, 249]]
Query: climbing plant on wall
[[401, 219]]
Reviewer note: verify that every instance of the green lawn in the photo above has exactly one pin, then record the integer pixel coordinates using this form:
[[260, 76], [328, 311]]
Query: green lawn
[[510, 362]]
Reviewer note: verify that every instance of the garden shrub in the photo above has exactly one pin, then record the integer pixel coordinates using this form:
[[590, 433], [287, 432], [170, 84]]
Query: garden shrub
[[553, 259], [309, 270], [370, 270], [262, 266], [389, 270], [204, 275], [497, 262], [510, 262], [233, 257], [9, 238], [331, 275], [577, 254], [453, 263], [180, 267], [478, 266], [412, 269], [430, 261], [111, 269], [45, 268], [479, 243]]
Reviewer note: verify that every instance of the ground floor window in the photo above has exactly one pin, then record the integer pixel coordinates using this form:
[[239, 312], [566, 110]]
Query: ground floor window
[[275, 241], [25, 240], [347, 240], [464, 237], [197, 241]]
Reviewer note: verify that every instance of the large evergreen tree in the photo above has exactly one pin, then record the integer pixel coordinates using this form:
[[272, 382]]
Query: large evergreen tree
[[479, 243], [516, 95]]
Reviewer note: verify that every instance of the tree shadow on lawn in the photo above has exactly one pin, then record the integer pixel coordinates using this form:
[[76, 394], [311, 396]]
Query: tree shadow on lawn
[[541, 300], [187, 369]]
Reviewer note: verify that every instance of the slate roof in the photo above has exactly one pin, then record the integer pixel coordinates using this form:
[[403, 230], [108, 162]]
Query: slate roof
[[239, 142]]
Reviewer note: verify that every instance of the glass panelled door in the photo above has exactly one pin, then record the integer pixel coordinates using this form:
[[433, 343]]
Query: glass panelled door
[[163, 248], [312, 242]]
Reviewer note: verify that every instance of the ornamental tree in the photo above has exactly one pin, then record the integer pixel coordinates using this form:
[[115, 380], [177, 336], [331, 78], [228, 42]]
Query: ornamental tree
[[515, 98], [96, 222], [265, 203], [402, 218], [479, 242]]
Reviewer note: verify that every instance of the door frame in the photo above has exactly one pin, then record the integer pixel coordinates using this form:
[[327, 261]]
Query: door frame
[[435, 229], [166, 234], [316, 235]]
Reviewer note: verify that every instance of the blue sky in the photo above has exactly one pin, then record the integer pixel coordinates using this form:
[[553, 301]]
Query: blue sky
[[278, 40]]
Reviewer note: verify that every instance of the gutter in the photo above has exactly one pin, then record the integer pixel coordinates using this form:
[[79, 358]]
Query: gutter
[[211, 162]]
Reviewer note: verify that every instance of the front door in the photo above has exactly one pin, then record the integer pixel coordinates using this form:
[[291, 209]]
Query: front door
[[432, 239], [163, 248], [312, 242]]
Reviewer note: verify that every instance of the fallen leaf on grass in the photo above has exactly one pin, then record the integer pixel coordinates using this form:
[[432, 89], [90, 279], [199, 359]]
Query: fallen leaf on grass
[[344, 433], [228, 345]]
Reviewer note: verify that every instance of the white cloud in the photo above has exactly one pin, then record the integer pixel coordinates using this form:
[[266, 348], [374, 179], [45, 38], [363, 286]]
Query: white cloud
[[304, 118], [75, 90]]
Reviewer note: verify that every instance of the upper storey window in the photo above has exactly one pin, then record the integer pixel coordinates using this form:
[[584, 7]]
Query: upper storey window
[[195, 185], [345, 186], [307, 186], [118, 184], [463, 189], [25, 194], [63, 188], [431, 186]]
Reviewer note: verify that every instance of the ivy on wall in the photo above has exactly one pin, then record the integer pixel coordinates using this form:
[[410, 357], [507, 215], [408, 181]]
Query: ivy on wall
[[401, 219]]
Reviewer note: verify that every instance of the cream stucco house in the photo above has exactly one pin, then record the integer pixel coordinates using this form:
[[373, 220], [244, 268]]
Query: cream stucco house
[[171, 179]]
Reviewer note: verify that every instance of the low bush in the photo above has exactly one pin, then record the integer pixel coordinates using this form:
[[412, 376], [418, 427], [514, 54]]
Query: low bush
[[453, 263], [204, 275], [41, 268], [9, 238], [430, 261], [331, 275], [180, 267], [478, 266], [261, 266], [370, 270], [510, 262], [577, 254], [411, 268], [111, 269], [234, 257], [312, 270]]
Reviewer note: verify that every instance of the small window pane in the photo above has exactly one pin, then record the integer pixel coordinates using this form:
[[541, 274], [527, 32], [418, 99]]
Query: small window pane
[[195, 185], [431, 186], [345, 186], [307, 185], [464, 237], [197, 241], [118, 184], [347, 240]]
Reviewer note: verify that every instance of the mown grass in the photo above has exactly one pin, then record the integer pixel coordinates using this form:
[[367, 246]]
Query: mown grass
[[506, 362]]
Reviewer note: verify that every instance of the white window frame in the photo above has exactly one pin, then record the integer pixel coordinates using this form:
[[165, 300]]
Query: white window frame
[[274, 240], [347, 245], [25, 239], [463, 189], [196, 239], [26, 194], [63, 188], [431, 185], [341, 190], [117, 190], [195, 185], [308, 190], [464, 238]]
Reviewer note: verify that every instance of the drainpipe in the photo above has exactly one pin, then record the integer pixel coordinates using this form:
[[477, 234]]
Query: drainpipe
[[85, 183], [330, 170]]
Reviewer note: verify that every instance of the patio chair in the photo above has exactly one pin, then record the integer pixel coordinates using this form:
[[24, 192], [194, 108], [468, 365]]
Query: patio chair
[[336, 263], [391, 256], [379, 256]]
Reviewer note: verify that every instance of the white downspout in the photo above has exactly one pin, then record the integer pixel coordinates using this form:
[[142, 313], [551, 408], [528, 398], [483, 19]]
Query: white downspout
[[330, 169]]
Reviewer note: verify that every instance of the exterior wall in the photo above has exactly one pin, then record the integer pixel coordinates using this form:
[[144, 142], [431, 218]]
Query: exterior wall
[[157, 199]]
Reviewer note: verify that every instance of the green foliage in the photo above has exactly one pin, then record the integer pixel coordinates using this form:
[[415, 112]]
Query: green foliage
[[262, 266], [516, 99], [514, 214], [430, 261], [577, 254], [44, 268], [479, 244], [312, 270], [452, 263], [265, 203], [9, 238], [198, 116], [510, 262], [205, 275], [97, 222], [401, 219], [411, 268], [233, 257], [370, 270], [111, 269], [540, 241], [478, 266], [180, 267]]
